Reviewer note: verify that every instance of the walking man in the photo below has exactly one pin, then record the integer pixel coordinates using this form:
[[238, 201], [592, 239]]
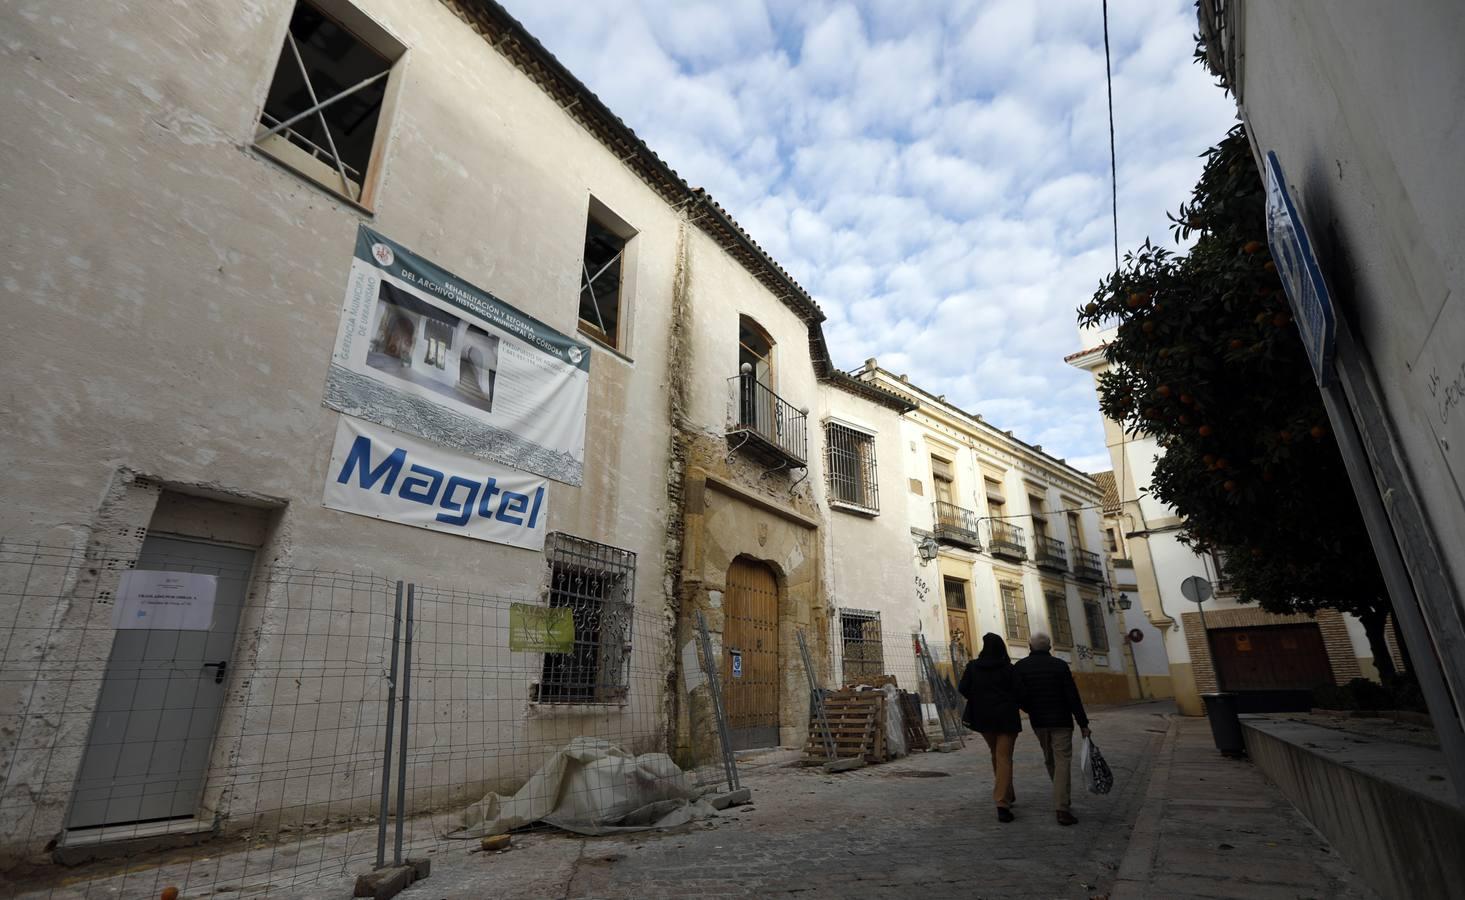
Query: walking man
[[1046, 691]]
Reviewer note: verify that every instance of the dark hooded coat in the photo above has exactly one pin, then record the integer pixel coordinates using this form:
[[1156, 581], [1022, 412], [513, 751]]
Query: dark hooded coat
[[990, 691]]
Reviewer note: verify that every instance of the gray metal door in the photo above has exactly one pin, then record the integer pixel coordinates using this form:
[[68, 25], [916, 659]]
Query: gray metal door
[[148, 751]]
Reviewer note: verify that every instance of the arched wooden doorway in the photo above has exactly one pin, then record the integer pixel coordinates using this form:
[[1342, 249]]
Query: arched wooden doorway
[[750, 654]]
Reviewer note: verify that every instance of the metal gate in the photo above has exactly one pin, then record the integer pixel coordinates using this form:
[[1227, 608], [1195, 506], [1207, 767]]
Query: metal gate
[[750, 654]]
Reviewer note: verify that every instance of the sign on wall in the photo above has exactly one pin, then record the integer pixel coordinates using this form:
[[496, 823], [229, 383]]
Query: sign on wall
[[1312, 306], [421, 350], [176, 601], [388, 475], [541, 629]]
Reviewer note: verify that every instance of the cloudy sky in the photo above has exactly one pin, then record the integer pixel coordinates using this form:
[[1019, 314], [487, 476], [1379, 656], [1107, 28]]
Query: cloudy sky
[[936, 175]]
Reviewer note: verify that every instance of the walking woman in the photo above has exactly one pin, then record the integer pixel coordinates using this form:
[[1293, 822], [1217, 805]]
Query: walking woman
[[991, 708]]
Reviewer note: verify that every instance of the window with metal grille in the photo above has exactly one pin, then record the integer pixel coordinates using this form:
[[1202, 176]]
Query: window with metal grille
[[596, 582], [1098, 631], [602, 303], [863, 650], [1058, 622], [322, 115], [851, 467], [1015, 612]]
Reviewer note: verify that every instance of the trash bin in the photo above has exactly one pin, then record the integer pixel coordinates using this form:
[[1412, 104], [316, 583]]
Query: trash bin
[[1222, 710]]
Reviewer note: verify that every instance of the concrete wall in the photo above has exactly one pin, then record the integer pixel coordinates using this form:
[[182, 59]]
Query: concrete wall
[[1382, 805], [181, 293], [1368, 132]]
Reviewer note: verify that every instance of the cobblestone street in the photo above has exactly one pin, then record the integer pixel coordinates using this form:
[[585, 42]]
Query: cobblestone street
[[922, 826]]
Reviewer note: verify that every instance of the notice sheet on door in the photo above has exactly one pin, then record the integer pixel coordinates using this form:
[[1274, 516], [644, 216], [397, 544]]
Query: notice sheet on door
[[179, 601]]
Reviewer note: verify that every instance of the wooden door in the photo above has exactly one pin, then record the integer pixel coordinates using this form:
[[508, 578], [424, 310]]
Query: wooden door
[[1271, 658], [958, 625], [750, 654]]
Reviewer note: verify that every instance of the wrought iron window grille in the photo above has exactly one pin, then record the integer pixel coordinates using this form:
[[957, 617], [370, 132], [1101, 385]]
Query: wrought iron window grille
[[597, 583]]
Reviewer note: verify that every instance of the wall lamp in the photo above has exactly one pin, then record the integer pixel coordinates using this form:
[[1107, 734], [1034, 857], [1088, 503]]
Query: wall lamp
[[928, 549]]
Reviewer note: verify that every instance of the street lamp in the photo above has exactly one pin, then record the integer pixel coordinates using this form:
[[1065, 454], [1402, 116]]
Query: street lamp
[[1124, 601], [928, 549]]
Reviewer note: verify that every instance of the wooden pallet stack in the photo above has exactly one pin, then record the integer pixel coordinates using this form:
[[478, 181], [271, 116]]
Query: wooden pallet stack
[[857, 724]]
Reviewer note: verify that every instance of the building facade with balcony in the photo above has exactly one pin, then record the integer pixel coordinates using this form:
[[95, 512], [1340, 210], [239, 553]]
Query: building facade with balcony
[[1015, 540], [1226, 643]]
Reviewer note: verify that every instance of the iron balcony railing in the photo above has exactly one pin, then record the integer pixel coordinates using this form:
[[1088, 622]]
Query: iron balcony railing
[[1050, 553], [955, 525], [1088, 565], [767, 424], [1008, 540]]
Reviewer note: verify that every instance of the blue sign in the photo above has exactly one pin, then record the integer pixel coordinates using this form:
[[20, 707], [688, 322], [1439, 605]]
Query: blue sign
[[1312, 306], [737, 663]]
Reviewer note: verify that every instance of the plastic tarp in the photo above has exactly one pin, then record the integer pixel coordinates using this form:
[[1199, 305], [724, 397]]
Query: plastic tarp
[[894, 722], [592, 787]]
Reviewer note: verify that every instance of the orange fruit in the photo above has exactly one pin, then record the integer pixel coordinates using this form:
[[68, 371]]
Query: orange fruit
[[1252, 247], [1237, 343], [1281, 320], [1163, 390], [1317, 432], [169, 893], [1230, 486], [1148, 328], [1270, 266], [1187, 399], [1205, 431]]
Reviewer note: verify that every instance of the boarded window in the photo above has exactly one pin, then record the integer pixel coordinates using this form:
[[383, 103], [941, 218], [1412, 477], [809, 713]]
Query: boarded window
[[860, 640]]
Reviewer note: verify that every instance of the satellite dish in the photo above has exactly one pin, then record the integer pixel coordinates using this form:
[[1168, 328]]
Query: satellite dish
[[1196, 589]]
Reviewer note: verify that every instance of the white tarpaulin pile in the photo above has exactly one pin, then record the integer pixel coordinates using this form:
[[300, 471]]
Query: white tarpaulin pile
[[592, 787]]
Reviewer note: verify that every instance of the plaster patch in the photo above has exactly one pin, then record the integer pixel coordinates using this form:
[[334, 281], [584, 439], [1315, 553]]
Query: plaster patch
[[795, 559], [714, 599], [692, 675]]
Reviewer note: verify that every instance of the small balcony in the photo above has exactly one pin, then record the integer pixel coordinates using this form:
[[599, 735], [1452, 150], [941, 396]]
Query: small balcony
[[1088, 565], [767, 426], [955, 525], [1050, 554], [1008, 541]]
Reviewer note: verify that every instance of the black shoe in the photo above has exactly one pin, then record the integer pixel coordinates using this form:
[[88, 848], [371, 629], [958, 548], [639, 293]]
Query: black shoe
[[1065, 818], [1004, 814]]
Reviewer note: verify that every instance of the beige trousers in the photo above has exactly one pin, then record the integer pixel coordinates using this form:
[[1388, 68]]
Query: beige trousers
[[1057, 744], [1001, 744]]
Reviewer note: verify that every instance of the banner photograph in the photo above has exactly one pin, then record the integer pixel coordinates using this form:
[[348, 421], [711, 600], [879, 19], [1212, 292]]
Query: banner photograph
[[423, 351], [386, 475]]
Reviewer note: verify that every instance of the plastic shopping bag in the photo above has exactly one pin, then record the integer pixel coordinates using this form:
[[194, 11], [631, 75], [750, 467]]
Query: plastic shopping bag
[[1100, 779]]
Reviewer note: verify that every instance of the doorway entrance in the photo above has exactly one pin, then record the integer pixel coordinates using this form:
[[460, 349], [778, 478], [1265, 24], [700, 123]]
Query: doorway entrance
[[750, 654], [152, 733], [958, 625]]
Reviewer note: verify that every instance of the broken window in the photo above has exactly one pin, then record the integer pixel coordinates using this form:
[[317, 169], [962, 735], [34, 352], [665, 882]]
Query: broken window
[[851, 469], [601, 268], [323, 112], [596, 582]]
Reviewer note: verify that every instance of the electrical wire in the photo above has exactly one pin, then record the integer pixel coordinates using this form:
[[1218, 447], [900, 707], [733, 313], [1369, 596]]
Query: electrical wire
[[1113, 162]]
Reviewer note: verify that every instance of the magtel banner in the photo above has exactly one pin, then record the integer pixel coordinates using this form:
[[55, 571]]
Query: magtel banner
[[421, 350], [388, 475]]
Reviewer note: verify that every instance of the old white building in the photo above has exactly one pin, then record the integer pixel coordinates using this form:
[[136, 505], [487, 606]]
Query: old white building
[[385, 294], [1012, 542]]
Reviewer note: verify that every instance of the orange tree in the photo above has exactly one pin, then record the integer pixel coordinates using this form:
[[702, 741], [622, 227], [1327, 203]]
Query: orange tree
[[1207, 361]]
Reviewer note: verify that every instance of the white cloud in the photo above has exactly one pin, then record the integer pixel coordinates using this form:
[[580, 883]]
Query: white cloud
[[937, 175]]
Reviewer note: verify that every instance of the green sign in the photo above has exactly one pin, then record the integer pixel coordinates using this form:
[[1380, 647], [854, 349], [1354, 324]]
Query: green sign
[[541, 629]]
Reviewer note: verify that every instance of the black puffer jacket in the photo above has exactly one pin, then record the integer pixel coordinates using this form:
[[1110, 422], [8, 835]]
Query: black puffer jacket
[[991, 697], [1046, 690]]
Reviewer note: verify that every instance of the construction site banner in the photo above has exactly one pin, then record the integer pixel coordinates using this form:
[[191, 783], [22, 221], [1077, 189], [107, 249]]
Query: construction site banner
[[421, 350], [380, 473]]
